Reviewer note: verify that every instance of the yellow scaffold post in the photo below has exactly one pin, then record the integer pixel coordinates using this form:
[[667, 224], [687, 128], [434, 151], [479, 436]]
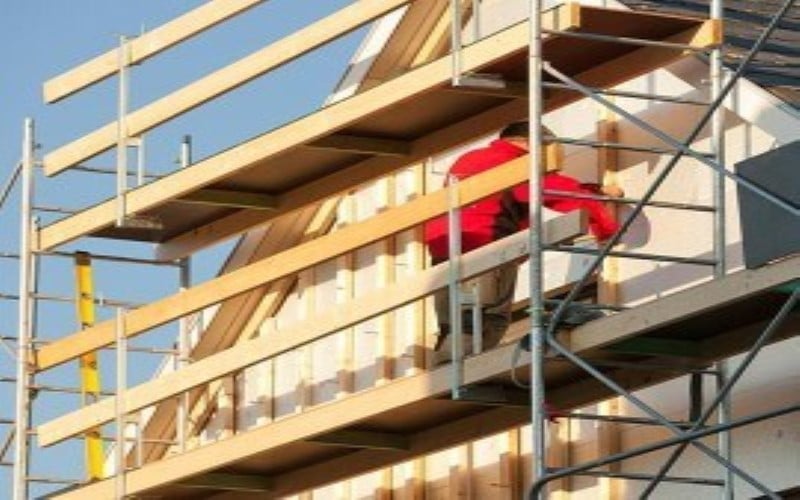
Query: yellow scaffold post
[[90, 375]]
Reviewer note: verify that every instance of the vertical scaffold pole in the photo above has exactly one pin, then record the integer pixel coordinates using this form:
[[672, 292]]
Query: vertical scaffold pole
[[119, 404], [184, 343], [455, 41], [24, 331], [720, 239], [454, 288], [122, 131], [535, 218]]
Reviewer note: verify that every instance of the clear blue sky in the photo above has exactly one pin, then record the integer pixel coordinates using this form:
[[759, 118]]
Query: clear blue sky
[[40, 39]]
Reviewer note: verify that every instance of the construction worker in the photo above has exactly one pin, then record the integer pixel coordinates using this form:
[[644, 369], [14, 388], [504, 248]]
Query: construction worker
[[500, 215]]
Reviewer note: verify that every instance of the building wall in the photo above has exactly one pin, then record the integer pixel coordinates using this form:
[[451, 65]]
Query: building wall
[[393, 345]]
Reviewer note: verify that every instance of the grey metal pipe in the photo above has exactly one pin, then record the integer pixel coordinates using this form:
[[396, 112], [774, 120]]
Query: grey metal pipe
[[716, 75], [454, 288], [22, 416], [619, 146], [634, 476], [630, 94], [611, 199], [122, 132], [184, 357], [119, 405], [108, 258], [112, 171], [632, 255], [455, 41], [535, 220]]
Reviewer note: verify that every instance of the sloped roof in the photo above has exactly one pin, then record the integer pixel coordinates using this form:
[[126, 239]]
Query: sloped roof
[[777, 66]]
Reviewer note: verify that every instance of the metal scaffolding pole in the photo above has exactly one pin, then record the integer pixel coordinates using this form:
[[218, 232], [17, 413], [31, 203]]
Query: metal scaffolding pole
[[122, 132], [535, 107], [184, 341], [24, 330], [119, 405], [716, 73]]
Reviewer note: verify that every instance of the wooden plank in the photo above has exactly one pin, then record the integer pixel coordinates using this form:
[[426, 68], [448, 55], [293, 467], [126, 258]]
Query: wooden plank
[[284, 264], [362, 145], [244, 483], [145, 46], [326, 121], [363, 439], [229, 198], [255, 350], [221, 81], [617, 71]]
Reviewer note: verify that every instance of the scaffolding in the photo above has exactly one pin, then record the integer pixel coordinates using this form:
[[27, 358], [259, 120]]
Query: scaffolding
[[543, 341]]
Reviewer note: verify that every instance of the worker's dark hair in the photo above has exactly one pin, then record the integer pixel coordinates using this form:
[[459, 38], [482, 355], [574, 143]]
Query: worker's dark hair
[[516, 129], [523, 129]]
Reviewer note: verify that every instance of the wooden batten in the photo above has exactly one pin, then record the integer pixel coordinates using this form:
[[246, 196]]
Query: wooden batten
[[145, 46]]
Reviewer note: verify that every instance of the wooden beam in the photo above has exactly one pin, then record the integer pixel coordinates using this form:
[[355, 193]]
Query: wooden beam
[[229, 198], [244, 483], [362, 145], [221, 81], [284, 264], [363, 439], [145, 46], [256, 350], [305, 130]]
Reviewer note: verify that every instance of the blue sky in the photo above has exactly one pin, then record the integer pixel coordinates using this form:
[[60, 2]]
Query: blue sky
[[40, 39]]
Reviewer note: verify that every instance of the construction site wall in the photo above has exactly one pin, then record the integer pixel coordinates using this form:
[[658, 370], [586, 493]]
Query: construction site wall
[[393, 345]]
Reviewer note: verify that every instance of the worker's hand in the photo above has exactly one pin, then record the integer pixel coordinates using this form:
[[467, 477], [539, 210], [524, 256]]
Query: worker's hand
[[612, 190]]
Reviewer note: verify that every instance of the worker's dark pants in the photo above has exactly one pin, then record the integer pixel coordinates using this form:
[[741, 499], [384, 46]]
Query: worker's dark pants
[[496, 291]]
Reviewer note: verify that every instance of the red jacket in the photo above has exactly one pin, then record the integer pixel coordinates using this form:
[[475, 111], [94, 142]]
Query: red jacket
[[504, 213]]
